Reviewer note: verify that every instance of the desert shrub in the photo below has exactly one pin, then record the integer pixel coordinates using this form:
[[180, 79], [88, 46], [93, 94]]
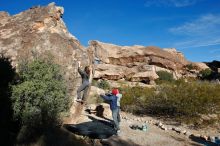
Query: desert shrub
[[206, 73], [103, 84], [164, 76], [189, 98], [40, 96], [135, 98], [94, 83], [184, 101]]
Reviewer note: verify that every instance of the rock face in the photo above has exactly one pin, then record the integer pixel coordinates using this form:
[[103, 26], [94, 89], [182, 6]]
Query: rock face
[[41, 32], [135, 63]]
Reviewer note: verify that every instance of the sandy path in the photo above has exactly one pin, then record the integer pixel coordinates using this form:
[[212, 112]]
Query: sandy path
[[154, 136]]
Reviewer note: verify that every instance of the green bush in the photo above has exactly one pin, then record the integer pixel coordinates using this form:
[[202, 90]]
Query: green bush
[[185, 101], [40, 96], [189, 99], [103, 84], [135, 98], [206, 73], [164, 76], [94, 83]]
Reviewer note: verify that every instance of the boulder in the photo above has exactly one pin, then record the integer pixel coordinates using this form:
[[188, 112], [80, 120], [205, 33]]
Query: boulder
[[96, 91], [109, 71], [121, 83], [117, 72], [135, 63], [41, 32], [200, 66], [123, 55]]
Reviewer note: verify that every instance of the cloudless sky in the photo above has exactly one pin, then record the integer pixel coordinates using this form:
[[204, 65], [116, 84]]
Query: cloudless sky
[[190, 26]]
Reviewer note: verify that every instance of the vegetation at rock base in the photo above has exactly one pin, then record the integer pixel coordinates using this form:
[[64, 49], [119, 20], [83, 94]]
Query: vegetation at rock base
[[184, 101], [206, 73], [164, 76], [40, 93], [103, 84], [39, 97]]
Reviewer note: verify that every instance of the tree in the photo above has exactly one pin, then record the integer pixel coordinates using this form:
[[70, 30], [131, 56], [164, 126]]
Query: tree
[[40, 95]]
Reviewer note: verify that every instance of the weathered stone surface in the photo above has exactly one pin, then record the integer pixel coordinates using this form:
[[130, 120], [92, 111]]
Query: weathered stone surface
[[200, 66], [109, 71], [121, 82], [122, 55], [116, 72], [41, 32], [135, 63], [96, 91], [176, 53]]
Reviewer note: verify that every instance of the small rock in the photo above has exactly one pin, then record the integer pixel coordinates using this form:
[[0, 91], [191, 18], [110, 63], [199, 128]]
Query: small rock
[[169, 128], [211, 138], [159, 124], [204, 137], [183, 131], [213, 116], [187, 133], [196, 135], [205, 117], [178, 130], [164, 128]]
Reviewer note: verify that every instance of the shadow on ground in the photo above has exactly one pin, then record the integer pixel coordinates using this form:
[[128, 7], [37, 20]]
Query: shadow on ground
[[203, 142], [95, 129], [99, 129], [60, 137]]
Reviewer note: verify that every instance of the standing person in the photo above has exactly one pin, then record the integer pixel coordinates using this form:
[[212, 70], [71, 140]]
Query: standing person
[[86, 81], [115, 107]]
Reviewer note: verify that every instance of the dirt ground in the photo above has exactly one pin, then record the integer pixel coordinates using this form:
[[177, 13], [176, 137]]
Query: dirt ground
[[100, 128], [154, 136]]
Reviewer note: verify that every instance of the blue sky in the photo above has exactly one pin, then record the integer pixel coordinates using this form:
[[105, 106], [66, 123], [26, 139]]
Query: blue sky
[[190, 26]]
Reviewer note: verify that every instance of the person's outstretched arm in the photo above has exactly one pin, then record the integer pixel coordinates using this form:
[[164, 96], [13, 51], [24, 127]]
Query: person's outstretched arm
[[91, 74], [79, 69], [106, 97]]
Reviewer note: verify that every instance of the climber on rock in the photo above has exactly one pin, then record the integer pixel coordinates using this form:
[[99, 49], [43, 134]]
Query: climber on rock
[[86, 81]]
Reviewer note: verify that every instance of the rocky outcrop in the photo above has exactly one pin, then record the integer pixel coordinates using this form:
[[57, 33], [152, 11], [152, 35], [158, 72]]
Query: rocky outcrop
[[41, 32], [200, 66], [135, 63]]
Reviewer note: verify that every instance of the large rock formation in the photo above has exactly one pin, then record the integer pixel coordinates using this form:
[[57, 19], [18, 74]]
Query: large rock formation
[[135, 63], [41, 32]]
